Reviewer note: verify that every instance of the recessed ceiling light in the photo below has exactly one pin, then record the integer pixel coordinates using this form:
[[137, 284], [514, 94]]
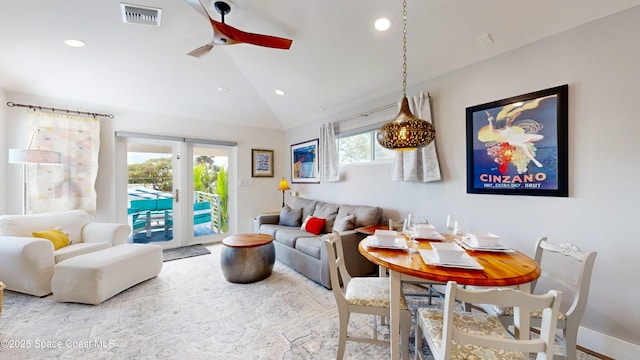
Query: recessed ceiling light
[[222, 89], [74, 43], [279, 92], [382, 24]]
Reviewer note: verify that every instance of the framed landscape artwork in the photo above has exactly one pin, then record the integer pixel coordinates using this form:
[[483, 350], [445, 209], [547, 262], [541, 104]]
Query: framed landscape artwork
[[304, 162], [261, 163], [519, 145]]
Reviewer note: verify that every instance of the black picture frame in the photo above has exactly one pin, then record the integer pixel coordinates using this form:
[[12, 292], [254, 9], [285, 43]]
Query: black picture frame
[[519, 145], [304, 162], [261, 163]]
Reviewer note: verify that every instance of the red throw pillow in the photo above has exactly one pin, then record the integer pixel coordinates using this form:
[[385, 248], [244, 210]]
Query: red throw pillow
[[315, 225]]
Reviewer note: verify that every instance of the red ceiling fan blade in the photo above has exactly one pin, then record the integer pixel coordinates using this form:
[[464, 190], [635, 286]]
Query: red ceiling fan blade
[[235, 36]]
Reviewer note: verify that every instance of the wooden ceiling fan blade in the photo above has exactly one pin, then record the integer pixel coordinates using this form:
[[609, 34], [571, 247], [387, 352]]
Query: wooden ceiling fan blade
[[251, 38], [267, 41], [201, 51]]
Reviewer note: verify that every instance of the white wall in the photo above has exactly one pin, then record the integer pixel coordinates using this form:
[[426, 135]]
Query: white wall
[[260, 195], [599, 61], [3, 141]]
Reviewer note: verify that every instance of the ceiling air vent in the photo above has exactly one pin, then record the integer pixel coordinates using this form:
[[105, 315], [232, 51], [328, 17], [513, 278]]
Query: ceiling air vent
[[136, 14]]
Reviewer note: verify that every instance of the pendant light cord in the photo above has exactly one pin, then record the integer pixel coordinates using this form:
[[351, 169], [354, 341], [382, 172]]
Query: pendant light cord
[[404, 48], [405, 131]]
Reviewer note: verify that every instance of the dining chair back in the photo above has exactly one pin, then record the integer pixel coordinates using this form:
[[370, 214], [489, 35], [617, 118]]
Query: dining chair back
[[364, 295], [455, 334], [567, 268]]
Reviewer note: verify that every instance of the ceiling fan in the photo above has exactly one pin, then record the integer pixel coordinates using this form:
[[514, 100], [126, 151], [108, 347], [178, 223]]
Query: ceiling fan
[[224, 34]]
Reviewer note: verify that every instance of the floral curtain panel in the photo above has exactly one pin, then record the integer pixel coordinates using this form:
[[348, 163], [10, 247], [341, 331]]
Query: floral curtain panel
[[70, 185]]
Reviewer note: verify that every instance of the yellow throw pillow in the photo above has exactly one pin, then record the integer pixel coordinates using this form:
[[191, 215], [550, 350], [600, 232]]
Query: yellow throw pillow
[[57, 236]]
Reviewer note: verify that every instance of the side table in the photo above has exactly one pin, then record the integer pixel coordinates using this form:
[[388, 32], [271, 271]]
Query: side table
[[247, 258]]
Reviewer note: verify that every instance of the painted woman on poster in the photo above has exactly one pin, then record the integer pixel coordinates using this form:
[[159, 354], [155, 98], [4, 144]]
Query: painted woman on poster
[[521, 134]]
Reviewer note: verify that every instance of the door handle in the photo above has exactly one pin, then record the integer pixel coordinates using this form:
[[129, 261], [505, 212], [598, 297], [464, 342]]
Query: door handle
[[177, 197]]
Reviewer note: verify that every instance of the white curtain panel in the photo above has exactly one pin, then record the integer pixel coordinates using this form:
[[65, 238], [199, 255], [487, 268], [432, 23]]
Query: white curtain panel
[[329, 170], [420, 165], [70, 185]]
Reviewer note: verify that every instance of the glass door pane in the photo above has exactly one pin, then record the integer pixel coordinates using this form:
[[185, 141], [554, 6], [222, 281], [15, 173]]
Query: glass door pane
[[150, 188], [210, 217]]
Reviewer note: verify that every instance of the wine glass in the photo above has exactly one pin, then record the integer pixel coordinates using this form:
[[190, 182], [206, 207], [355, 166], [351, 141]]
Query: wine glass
[[461, 229], [451, 223], [412, 232]]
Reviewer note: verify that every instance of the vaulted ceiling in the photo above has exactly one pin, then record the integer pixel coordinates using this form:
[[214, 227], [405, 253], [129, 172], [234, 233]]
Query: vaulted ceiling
[[337, 58]]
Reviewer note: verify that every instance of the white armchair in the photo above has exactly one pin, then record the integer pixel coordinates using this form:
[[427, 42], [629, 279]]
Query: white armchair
[[26, 263]]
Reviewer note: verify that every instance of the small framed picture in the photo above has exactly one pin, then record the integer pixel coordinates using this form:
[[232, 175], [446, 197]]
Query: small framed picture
[[304, 162], [261, 163], [519, 145]]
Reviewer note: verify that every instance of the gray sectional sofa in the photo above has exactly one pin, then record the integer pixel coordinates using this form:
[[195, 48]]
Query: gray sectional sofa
[[304, 252]]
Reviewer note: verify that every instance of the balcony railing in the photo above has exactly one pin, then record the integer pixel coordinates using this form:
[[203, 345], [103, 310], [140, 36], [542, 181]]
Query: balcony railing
[[151, 210]]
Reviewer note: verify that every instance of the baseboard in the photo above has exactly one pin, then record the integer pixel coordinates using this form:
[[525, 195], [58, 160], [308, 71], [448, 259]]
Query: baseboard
[[607, 345]]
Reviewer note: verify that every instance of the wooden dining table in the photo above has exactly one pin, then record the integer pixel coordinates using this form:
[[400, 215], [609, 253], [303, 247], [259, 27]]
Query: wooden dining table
[[499, 269]]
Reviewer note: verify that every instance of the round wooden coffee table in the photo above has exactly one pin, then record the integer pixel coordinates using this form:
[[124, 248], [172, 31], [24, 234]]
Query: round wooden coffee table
[[247, 258]]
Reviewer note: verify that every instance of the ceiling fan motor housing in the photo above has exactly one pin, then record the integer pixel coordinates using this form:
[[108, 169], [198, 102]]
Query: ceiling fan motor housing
[[222, 8]]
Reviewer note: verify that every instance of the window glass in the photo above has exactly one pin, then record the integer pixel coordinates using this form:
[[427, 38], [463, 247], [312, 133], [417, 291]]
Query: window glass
[[361, 148], [379, 152]]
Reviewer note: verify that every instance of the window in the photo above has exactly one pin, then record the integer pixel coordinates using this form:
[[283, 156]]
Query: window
[[361, 148]]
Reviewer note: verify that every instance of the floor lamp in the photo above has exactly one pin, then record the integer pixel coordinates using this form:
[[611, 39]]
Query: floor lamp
[[284, 186], [32, 156]]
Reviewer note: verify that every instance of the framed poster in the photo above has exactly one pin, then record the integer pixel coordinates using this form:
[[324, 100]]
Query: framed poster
[[519, 145], [304, 162], [261, 163]]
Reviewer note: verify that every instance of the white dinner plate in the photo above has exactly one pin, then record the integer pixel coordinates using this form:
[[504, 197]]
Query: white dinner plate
[[466, 261], [398, 244], [495, 248]]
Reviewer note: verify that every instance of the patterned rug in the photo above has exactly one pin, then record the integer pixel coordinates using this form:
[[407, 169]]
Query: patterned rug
[[189, 312], [184, 252]]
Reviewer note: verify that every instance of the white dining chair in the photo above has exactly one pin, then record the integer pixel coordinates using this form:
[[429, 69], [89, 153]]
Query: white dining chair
[[558, 262], [455, 334], [364, 295]]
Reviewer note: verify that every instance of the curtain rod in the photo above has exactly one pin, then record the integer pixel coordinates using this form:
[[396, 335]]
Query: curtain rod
[[369, 112], [35, 107]]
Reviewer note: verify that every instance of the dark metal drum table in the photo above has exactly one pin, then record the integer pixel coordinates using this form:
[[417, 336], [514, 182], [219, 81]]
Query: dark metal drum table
[[247, 258]]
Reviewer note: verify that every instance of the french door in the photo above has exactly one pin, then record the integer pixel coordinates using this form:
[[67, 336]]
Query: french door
[[178, 192]]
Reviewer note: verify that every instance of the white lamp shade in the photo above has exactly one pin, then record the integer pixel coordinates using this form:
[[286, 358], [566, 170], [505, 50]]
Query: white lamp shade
[[21, 156]]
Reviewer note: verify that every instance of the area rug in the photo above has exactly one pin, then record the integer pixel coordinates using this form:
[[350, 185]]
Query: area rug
[[191, 312], [184, 252]]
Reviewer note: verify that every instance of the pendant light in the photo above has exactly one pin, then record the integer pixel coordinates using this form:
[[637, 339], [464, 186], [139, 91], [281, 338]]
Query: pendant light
[[405, 131]]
